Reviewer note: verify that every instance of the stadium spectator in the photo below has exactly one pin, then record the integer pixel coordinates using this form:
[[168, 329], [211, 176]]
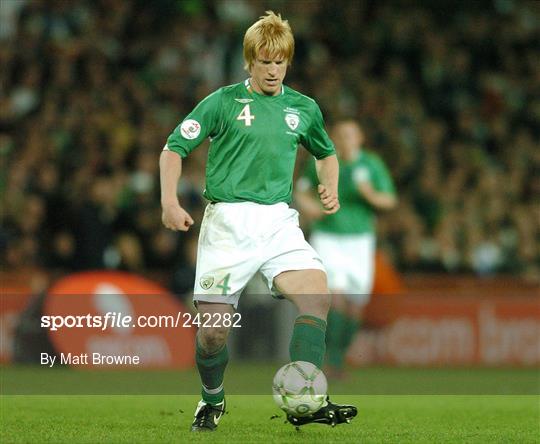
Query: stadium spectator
[[447, 93]]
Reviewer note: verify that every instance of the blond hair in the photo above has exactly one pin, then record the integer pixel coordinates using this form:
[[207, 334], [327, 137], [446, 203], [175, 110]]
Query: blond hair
[[270, 34]]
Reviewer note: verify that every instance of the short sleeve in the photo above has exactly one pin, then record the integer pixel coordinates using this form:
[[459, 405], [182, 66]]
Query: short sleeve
[[316, 139], [201, 123]]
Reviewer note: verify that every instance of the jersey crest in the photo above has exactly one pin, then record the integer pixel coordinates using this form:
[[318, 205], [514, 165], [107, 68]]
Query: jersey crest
[[206, 282], [292, 121]]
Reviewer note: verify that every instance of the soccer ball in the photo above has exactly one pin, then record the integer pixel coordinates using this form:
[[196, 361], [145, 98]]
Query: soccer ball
[[299, 388]]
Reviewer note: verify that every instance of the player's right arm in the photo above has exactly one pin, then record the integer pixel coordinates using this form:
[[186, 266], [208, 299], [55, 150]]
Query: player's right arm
[[202, 122], [174, 217]]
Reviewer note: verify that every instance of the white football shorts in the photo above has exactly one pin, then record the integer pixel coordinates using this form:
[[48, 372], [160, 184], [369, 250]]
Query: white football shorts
[[349, 262], [237, 240]]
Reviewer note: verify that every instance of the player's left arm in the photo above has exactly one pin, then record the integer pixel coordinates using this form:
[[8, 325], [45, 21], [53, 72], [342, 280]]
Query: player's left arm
[[328, 174], [379, 190], [319, 144], [307, 203]]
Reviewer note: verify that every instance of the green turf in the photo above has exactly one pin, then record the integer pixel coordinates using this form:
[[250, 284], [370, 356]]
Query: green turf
[[397, 405], [161, 418], [254, 379]]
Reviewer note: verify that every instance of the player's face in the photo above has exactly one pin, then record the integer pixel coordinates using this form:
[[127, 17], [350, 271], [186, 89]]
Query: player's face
[[348, 138], [267, 74]]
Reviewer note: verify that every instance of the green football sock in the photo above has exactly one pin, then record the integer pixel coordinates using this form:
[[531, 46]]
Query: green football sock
[[308, 340], [337, 323], [211, 369]]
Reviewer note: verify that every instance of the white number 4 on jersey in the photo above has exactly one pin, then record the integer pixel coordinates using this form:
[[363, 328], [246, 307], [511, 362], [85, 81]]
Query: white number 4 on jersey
[[245, 115]]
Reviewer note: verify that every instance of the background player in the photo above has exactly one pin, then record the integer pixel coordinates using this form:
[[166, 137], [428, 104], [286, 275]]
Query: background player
[[255, 128], [346, 240]]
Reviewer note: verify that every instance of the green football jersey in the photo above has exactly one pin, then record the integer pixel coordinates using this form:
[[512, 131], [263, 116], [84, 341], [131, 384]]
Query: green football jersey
[[356, 215], [253, 141]]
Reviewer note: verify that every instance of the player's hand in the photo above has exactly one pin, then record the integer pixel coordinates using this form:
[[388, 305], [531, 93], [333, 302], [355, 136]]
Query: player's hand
[[175, 218], [329, 199]]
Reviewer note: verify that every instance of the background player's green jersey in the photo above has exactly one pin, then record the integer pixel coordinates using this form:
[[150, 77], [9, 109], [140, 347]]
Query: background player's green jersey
[[356, 215], [253, 141]]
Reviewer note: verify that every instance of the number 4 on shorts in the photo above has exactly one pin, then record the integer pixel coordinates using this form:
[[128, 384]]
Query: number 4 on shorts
[[224, 284]]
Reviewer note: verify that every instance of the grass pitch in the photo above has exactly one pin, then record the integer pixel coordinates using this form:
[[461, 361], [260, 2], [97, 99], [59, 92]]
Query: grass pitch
[[166, 419], [69, 417]]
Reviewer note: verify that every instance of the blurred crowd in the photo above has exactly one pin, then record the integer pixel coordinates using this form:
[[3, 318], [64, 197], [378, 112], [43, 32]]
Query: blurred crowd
[[448, 95]]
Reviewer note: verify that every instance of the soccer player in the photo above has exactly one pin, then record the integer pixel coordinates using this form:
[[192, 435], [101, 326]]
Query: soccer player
[[254, 128], [346, 240]]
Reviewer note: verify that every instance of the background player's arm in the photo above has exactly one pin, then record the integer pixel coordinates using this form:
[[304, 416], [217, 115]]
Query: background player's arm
[[173, 216], [328, 174], [377, 189], [378, 199]]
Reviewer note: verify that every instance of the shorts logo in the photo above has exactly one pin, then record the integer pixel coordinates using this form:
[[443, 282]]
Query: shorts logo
[[292, 121], [190, 129], [206, 282]]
